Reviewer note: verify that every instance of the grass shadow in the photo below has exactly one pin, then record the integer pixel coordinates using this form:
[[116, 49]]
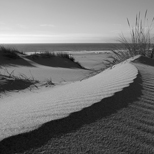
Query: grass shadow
[[10, 84], [74, 121], [144, 60], [14, 62]]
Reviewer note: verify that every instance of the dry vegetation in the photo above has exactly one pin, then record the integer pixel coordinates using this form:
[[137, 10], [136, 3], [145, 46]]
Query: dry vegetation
[[50, 59], [13, 57], [10, 82], [48, 54], [10, 53], [140, 36], [140, 42]]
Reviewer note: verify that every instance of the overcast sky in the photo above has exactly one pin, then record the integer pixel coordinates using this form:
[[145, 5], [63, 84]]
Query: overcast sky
[[68, 21]]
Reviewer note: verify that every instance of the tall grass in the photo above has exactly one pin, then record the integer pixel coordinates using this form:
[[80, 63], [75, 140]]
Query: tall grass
[[21, 81], [10, 53], [140, 36], [47, 54], [12, 82], [22, 77]]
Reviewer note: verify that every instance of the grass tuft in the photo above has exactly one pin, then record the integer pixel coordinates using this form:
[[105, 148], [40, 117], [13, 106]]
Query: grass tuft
[[48, 83], [140, 36], [138, 44], [16, 82], [49, 55], [10, 53]]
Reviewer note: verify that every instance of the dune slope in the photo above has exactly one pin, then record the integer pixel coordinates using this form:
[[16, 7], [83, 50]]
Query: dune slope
[[122, 123], [22, 112]]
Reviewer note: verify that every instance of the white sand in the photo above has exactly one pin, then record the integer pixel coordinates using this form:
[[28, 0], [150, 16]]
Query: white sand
[[21, 112]]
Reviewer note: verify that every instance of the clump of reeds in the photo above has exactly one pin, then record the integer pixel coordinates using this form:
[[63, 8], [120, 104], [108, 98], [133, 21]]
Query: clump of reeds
[[116, 56], [48, 83], [140, 36], [16, 82], [48, 54], [20, 77], [10, 53], [67, 56]]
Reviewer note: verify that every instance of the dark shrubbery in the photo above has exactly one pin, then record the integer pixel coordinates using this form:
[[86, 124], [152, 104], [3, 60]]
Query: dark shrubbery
[[10, 53]]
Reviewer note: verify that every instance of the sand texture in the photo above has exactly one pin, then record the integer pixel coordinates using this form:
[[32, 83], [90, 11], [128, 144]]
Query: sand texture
[[25, 111], [111, 112]]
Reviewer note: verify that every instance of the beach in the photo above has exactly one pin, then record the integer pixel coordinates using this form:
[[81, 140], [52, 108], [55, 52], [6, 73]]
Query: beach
[[76, 77], [85, 108]]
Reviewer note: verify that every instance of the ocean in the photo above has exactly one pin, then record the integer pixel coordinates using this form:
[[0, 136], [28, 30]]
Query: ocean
[[62, 47]]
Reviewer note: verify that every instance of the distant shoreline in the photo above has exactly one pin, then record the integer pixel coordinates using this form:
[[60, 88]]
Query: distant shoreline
[[41, 47]]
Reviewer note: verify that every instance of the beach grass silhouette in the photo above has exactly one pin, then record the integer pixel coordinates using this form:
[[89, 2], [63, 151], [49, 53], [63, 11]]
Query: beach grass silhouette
[[52, 59]]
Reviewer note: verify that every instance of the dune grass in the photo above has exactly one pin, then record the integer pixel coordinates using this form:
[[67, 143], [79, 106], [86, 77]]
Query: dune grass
[[11, 82], [50, 56], [48, 83], [12, 57], [14, 82], [140, 36], [140, 42], [10, 53]]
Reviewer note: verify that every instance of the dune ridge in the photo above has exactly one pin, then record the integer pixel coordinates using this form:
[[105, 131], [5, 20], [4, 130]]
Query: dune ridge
[[122, 123], [25, 112]]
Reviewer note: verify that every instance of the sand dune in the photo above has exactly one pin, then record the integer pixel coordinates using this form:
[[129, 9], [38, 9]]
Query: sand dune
[[44, 72], [26, 111], [119, 123]]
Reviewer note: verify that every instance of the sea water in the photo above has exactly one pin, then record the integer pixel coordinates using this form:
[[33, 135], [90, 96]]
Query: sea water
[[75, 47]]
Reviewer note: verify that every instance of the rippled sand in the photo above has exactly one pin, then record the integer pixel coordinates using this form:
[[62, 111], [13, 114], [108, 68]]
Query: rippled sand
[[122, 123], [23, 112]]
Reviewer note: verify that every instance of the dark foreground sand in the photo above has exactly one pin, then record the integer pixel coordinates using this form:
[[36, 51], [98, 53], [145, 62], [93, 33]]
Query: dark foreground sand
[[122, 123]]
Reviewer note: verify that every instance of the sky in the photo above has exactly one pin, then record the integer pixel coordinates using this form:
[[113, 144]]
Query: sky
[[69, 21]]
